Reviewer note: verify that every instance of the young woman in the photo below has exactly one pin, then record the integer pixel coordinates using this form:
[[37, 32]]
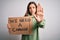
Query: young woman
[[38, 21], [37, 17]]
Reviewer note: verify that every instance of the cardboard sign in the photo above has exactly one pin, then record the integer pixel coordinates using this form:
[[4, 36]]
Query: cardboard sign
[[20, 25]]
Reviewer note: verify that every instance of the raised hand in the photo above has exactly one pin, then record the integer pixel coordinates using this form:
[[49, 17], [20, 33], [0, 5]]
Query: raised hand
[[39, 15]]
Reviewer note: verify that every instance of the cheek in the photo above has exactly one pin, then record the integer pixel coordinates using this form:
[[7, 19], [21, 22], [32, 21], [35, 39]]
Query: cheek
[[35, 10], [30, 10]]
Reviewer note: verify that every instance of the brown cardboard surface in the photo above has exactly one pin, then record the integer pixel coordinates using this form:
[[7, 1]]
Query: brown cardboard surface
[[20, 25]]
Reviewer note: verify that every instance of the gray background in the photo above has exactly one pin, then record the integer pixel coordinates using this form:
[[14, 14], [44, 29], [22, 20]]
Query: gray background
[[17, 8]]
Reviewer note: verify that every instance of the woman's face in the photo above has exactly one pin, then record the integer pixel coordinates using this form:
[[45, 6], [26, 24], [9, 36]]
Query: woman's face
[[32, 9]]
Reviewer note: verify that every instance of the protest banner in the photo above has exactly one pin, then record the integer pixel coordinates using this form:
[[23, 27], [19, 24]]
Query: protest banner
[[20, 25]]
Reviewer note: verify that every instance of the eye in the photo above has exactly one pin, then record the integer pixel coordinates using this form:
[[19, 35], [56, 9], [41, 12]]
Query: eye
[[29, 7], [33, 7]]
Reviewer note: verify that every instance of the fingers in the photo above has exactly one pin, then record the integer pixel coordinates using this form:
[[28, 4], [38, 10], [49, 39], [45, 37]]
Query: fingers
[[40, 13], [39, 8]]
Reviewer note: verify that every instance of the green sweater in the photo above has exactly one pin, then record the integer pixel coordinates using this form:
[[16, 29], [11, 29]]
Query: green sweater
[[34, 35]]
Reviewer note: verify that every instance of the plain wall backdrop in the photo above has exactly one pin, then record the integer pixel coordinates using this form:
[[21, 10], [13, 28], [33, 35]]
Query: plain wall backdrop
[[17, 8]]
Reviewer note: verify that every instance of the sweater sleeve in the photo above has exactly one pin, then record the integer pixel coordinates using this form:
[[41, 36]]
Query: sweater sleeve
[[41, 24], [37, 25]]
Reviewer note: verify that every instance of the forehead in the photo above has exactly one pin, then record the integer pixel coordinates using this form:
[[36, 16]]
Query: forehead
[[32, 5]]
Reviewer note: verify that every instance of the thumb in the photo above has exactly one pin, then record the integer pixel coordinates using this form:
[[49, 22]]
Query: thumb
[[8, 26]]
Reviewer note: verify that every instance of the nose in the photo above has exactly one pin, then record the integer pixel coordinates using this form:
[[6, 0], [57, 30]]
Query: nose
[[31, 9]]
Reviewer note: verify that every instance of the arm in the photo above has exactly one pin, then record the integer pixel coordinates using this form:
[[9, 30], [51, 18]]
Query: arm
[[41, 24]]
